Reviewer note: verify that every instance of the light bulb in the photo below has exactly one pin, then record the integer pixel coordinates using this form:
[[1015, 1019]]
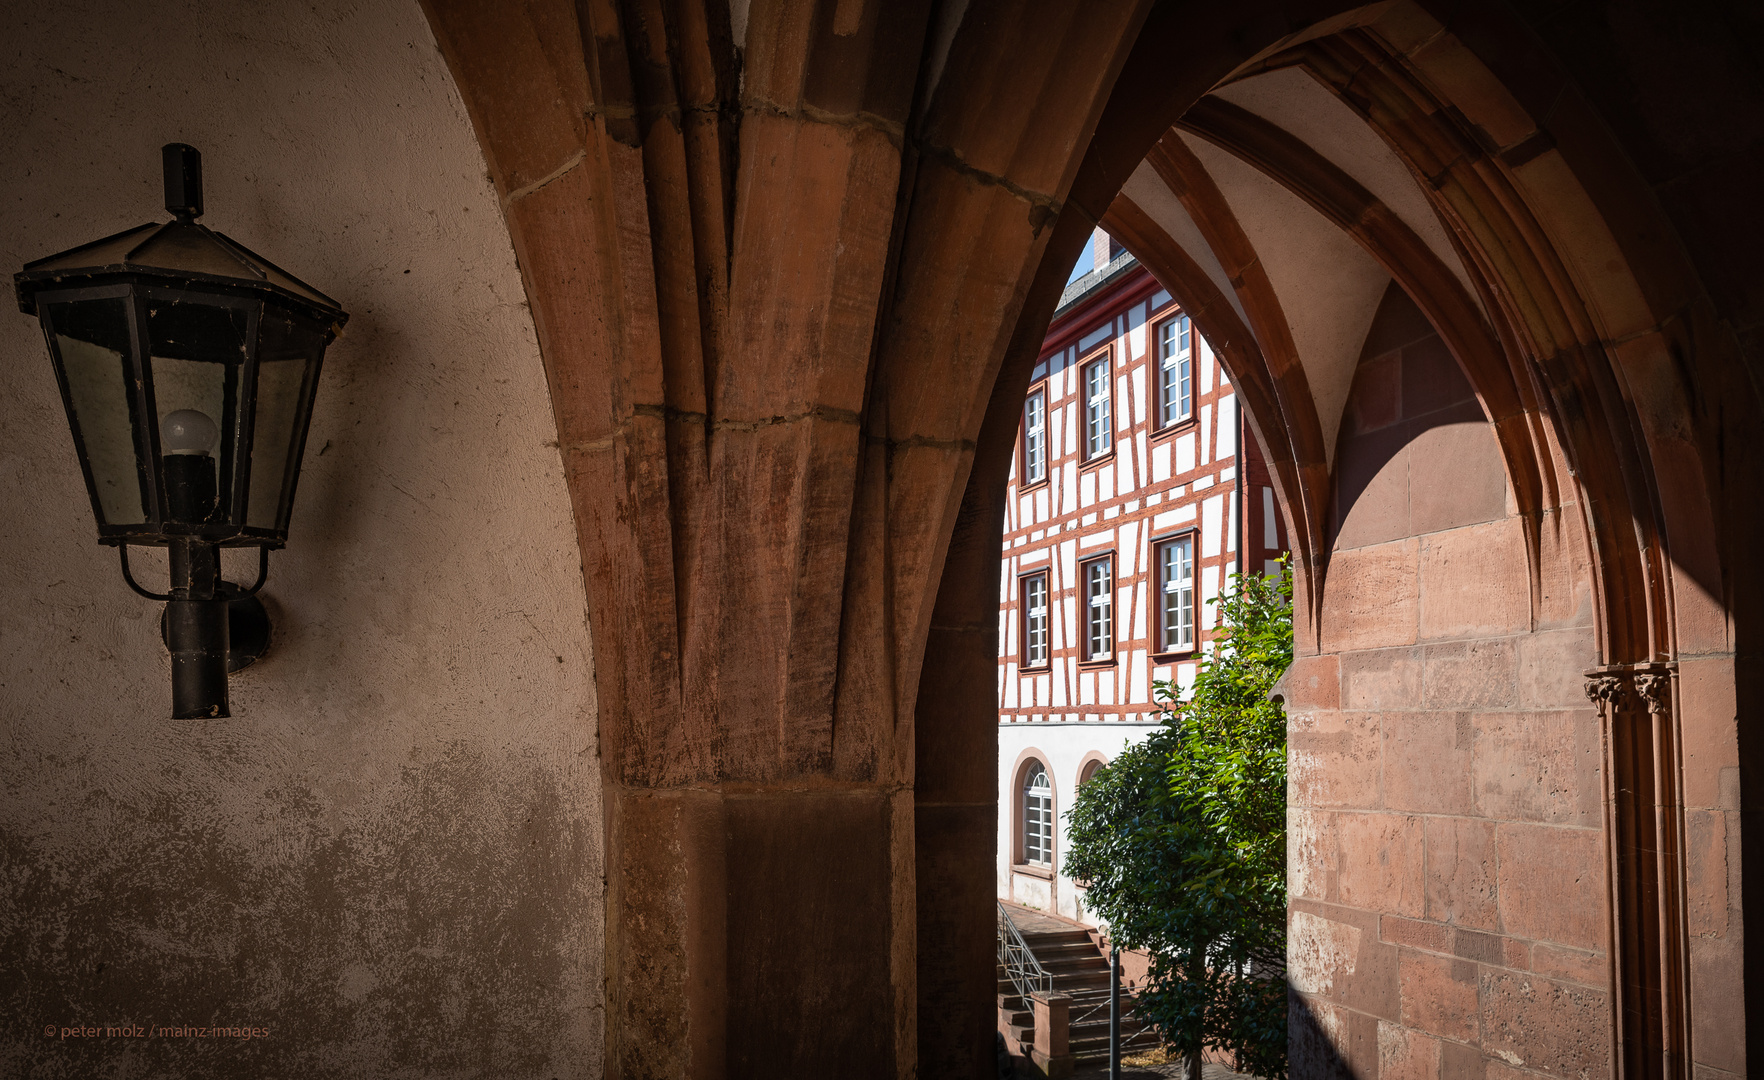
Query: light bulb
[[187, 431]]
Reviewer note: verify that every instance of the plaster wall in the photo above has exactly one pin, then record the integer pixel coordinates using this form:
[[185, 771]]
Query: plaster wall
[[389, 857]]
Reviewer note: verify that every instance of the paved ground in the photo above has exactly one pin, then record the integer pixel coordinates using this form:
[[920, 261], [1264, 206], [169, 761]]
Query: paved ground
[[1029, 920], [1209, 1071]]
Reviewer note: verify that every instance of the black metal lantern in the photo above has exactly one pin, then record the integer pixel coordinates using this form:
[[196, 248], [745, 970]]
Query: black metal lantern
[[187, 365]]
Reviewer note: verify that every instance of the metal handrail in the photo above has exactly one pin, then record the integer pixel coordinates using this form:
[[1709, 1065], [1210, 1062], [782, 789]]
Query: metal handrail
[[1019, 963], [1102, 1006]]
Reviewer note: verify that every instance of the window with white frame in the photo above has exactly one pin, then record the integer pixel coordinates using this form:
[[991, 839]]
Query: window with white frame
[[1099, 608], [1037, 816], [1175, 567], [1176, 371], [1099, 429], [1035, 620], [1035, 438]]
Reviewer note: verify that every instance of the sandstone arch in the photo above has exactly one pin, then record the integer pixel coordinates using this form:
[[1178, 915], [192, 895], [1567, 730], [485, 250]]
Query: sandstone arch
[[789, 297]]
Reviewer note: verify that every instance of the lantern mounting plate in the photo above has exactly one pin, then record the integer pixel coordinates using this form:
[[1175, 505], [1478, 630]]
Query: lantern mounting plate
[[248, 627]]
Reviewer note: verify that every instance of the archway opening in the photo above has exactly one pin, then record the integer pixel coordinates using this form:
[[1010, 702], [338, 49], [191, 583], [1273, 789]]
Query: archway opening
[[1415, 302]]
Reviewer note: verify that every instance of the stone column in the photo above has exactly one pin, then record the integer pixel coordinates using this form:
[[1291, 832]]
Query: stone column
[[774, 281], [1644, 826]]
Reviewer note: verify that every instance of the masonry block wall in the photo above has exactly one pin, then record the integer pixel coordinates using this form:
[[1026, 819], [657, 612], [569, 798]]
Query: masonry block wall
[[1448, 879]]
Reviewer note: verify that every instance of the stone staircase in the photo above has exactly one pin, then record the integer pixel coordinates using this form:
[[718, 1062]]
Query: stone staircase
[[1080, 971]]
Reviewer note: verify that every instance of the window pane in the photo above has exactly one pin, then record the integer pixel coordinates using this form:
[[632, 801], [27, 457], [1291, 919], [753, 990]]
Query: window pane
[[1176, 379], [1176, 574], [1035, 439], [197, 350], [1037, 816], [1098, 423], [1099, 595], [286, 346], [1167, 373], [92, 338], [278, 406], [1035, 620]]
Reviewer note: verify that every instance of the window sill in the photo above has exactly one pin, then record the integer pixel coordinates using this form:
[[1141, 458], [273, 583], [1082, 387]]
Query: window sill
[[1031, 870], [1024, 489], [1101, 664], [1173, 657], [1105, 458], [1039, 669], [1180, 426]]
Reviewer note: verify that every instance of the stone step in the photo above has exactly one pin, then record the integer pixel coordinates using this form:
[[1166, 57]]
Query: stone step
[[1080, 970], [1057, 937], [1074, 963], [1100, 1024], [1081, 979], [1099, 1047]]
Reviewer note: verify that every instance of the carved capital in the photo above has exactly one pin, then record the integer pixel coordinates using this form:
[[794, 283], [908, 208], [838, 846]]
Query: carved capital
[[1655, 689], [1606, 692]]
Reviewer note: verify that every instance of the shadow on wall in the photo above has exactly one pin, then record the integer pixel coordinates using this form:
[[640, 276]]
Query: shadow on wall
[[1415, 454], [1311, 1046]]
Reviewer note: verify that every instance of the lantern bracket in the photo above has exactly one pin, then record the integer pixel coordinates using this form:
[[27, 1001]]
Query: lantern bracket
[[262, 572], [262, 576], [130, 578]]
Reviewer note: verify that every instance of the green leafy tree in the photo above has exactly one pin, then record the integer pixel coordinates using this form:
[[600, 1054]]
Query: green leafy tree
[[1182, 842]]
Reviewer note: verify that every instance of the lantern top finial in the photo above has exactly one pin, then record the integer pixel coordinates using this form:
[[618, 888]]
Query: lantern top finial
[[183, 181], [178, 254]]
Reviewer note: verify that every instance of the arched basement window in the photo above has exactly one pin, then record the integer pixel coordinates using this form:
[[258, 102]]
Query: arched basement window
[[1088, 770], [1037, 816]]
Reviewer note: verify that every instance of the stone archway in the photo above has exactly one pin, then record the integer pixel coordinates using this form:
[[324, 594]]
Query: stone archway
[[1575, 356], [1532, 294], [790, 266]]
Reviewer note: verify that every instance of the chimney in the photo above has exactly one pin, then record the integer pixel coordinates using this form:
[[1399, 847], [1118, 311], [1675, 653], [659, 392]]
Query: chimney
[[1103, 248]]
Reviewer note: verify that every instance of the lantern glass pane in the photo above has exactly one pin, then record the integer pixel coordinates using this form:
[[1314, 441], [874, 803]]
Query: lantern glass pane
[[278, 405], [287, 348], [198, 351], [92, 340]]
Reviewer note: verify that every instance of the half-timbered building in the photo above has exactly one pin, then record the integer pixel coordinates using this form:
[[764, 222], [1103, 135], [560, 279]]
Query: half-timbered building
[[1136, 493]]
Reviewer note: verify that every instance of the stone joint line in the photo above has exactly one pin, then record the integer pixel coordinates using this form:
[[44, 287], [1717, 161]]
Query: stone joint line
[[520, 193], [819, 412], [953, 160], [894, 131]]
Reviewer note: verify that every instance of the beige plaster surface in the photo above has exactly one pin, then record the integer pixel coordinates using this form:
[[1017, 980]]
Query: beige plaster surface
[[1149, 192], [1329, 288], [1291, 98], [390, 855]]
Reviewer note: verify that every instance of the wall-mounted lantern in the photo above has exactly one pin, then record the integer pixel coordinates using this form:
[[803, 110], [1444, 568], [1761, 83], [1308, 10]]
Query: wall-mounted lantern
[[187, 366]]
